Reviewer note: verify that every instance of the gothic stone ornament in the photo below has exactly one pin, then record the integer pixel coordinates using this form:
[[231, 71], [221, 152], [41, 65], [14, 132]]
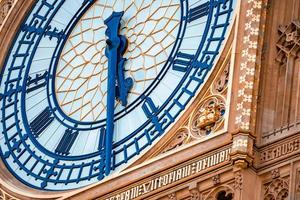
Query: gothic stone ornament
[[90, 85], [208, 116], [220, 85], [5, 196], [277, 189], [216, 179], [238, 181], [223, 191], [275, 173], [288, 43], [195, 194], [172, 196], [180, 138]]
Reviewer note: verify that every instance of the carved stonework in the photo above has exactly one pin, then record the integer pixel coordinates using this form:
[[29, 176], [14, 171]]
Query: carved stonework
[[221, 83], [180, 138], [280, 150], [5, 196], [5, 6], [275, 173], [277, 189], [216, 179], [172, 196], [224, 192], [208, 117], [242, 153], [195, 194], [288, 42], [238, 181]]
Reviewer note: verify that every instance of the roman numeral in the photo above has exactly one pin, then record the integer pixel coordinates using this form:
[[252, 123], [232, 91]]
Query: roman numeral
[[149, 107], [101, 139], [41, 122], [150, 111], [48, 31], [54, 33], [66, 142], [39, 81], [198, 12], [182, 62]]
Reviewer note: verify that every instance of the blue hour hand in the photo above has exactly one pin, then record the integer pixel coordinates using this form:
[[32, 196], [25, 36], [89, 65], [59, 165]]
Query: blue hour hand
[[117, 87]]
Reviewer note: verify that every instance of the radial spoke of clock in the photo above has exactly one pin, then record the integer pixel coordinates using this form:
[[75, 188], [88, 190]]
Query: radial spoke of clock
[[37, 103], [51, 136], [151, 30]]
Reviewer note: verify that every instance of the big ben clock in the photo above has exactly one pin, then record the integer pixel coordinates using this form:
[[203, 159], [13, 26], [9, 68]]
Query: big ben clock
[[89, 85]]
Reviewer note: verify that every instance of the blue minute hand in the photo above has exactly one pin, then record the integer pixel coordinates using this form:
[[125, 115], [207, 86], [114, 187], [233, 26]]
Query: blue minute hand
[[115, 44]]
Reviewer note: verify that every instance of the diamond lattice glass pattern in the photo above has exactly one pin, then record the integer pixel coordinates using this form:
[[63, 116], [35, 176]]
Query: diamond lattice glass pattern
[[81, 78]]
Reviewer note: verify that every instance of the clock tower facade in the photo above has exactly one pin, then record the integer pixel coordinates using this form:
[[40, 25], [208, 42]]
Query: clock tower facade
[[236, 137]]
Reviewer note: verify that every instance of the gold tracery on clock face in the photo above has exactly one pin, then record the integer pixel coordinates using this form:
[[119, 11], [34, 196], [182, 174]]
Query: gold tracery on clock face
[[151, 29]]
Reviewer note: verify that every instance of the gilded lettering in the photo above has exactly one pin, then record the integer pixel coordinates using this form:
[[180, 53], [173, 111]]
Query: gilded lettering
[[199, 166], [217, 158], [140, 190], [127, 195], [165, 180], [160, 182], [178, 174], [134, 192], [222, 156], [171, 177]]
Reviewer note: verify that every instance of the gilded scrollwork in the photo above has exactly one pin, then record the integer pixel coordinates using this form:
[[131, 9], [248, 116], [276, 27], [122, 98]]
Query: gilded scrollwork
[[208, 117], [5, 6]]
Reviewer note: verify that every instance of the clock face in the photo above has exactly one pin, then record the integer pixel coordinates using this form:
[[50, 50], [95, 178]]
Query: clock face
[[90, 85]]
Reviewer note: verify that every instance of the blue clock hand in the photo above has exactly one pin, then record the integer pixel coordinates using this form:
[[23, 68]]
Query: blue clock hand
[[114, 55]]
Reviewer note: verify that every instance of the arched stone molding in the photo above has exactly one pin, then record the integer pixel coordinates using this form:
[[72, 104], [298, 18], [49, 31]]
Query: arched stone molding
[[5, 6], [5, 196], [224, 190]]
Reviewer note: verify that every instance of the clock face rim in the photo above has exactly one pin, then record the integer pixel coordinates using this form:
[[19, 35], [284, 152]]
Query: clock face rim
[[1, 80]]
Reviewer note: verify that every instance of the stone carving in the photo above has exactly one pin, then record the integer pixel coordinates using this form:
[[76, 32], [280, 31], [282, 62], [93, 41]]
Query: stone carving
[[180, 138], [238, 181], [282, 149], [216, 179], [209, 116], [221, 83], [275, 173], [195, 194], [5, 196], [288, 42], [278, 189], [224, 192], [5, 6], [172, 196]]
